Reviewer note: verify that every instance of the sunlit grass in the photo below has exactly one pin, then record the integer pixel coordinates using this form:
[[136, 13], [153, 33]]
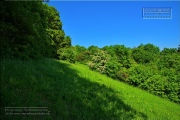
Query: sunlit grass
[[72, 91]]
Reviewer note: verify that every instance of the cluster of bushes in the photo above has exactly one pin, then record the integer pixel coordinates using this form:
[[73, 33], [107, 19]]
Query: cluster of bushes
[[145, 66]]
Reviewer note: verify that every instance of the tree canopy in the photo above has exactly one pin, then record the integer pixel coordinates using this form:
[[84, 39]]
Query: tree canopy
[[31, 30]]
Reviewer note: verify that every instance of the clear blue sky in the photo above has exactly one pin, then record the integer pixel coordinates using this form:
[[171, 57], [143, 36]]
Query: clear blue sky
[[109, 23]]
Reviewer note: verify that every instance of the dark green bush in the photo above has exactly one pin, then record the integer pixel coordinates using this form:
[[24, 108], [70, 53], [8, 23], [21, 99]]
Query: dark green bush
[[123, 74], [68, 54], [112, 67]]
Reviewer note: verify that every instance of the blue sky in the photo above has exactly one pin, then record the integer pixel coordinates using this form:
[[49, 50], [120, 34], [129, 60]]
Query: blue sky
[[108, 23]]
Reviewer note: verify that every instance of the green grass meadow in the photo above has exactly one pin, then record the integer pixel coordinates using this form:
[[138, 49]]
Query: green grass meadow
[[73, 92]]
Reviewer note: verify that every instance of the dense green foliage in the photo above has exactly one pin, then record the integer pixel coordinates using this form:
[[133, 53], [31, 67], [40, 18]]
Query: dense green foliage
[[73, 92], [145, 53], [68, 54], [31, 30], [99, 61], [145, 67]]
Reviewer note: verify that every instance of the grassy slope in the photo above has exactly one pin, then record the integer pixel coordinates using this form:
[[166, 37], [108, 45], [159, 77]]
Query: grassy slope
[[72, 91]]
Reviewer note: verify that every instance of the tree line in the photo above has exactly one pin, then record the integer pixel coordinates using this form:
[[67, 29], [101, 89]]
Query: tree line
[[33, 30], [145, 66]]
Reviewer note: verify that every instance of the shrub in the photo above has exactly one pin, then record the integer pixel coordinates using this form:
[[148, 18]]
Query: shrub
[[99, 61], [138, 74], [155, 84], [112, 67], [67, 54], [83, 57], [123, 74]]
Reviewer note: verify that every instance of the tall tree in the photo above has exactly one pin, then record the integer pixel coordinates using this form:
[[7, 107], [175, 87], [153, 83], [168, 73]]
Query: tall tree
[[54, 29], [56, 34], [93, 49], [23, 33], [166, 51], [145, 53]]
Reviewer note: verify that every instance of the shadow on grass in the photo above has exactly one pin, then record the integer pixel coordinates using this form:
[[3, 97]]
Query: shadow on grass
[[69, 96]]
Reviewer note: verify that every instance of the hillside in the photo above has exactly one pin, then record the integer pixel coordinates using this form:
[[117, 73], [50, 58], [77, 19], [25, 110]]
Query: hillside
[[72, 91]]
